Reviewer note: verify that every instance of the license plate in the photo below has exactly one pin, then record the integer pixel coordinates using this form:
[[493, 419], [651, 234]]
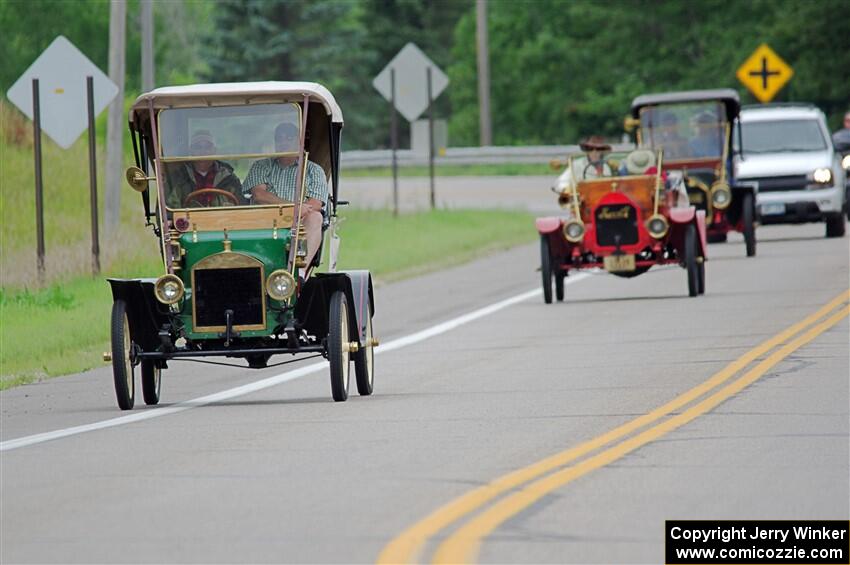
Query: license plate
[[619, 263], [772, 209]]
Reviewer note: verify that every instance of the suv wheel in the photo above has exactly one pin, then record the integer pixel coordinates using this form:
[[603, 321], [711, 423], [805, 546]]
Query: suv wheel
[[835, 226]]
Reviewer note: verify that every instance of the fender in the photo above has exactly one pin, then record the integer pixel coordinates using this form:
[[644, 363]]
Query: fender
[[145, 314], [683, 215], [548, 225], [313, 306]]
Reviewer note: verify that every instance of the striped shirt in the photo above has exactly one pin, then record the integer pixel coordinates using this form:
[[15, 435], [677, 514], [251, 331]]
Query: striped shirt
[[281, 180]]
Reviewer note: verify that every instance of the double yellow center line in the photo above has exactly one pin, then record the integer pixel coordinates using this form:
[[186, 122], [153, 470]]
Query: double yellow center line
[[524, 487]]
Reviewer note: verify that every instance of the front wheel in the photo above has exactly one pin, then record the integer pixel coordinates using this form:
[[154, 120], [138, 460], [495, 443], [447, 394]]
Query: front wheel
[[546, 269], [748, 219], [691, 265], [364, 360], [122, 348], [339, 346]]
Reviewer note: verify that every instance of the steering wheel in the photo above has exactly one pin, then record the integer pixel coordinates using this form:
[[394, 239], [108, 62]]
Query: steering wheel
[[212, 191]]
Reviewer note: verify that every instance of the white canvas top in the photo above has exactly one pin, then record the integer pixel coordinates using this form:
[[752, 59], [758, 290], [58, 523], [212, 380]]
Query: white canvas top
[[234, 93]]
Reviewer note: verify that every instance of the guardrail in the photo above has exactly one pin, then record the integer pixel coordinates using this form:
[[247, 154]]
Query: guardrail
[[464, 155]]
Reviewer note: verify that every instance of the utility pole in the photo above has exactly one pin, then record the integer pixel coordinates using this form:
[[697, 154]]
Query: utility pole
[[115, 122], [486, 131], [146, 15]]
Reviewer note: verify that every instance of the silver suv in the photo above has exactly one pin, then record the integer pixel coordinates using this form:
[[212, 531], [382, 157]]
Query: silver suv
[[789, 152]]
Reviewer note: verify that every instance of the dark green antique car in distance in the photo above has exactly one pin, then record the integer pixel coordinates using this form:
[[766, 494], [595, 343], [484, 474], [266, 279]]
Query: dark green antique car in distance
[[241, 273]]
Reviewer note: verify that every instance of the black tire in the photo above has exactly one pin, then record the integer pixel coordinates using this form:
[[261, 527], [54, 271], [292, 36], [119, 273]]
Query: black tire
[[835, 226], [559, 285], [338, 340], [748, 219], [546, 269], [122, 367], [690, 258], [151, 382], [364, 361]]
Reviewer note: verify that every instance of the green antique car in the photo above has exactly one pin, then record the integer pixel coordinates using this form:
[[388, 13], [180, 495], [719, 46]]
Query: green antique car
[[246, 185]]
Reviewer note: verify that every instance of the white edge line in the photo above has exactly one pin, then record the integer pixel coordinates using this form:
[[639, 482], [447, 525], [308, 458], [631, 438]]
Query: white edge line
[[228, 394]]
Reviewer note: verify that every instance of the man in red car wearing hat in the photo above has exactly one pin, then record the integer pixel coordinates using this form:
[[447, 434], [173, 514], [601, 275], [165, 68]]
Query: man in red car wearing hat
[[592, 165]]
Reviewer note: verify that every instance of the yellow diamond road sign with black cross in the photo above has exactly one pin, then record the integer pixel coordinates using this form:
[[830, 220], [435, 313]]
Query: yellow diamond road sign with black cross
[[764, 73]]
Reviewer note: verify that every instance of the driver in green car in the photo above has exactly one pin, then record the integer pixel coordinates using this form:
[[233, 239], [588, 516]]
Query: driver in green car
[[183, 179]]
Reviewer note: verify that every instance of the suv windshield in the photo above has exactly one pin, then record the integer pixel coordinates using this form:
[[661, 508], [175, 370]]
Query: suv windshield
[[208, 154], [782, 135], [684, 131]]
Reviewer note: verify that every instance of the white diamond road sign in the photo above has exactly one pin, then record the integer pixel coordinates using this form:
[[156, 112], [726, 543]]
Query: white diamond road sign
[[61, 71], [411, 83]]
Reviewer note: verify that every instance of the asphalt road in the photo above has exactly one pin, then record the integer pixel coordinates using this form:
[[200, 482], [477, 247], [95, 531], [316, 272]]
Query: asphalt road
[[283, 474]]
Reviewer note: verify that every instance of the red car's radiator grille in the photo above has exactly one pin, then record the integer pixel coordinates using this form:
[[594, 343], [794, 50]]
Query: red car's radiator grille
[[616, 223], [218, 290]]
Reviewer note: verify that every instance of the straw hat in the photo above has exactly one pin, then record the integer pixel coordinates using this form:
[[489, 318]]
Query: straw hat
[[639, 160]]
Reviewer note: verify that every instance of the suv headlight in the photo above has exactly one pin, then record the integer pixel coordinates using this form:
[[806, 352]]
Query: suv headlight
[[168, 289], [280, 285], [845, 162], [822, 176]]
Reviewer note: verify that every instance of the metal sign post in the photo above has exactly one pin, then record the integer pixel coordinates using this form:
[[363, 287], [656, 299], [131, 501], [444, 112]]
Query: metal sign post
[[95, 237], [400, 82], [394, 141], [430, 136], [39, 201]]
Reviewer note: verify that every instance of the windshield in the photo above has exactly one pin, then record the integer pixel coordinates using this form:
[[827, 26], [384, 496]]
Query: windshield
[[213, 157], [781, 136], [684, 131]]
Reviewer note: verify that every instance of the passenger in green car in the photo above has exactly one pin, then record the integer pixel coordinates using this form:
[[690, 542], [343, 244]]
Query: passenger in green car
[[272, 181]]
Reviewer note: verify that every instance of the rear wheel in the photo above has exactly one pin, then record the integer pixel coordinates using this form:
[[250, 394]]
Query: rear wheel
[[546, 269], [835, 226], [748, 218], [151, 382], [122, 346], [338, 346], [364, 361], [691, 265]]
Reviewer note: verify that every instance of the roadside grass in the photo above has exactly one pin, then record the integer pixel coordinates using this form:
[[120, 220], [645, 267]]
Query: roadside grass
[[64, 328], [495, 169]]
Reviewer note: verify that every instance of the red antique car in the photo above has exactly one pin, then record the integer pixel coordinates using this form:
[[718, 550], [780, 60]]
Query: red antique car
[[625, 221]]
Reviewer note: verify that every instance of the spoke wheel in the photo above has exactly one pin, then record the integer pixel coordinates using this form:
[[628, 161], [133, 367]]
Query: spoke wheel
[[122, 367], [546, 269], [748, 218], [338, 339], [364, 361], [691, 265], [151, 381]]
